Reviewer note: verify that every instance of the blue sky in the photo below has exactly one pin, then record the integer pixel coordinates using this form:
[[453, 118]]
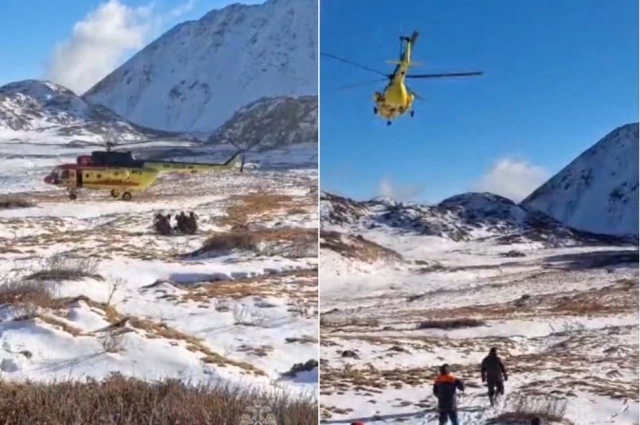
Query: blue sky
[[559, 76], [30, 30]]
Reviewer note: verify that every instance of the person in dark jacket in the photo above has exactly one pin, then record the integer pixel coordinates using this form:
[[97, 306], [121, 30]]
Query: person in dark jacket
[[494, 373], [536, 421], [445, 387]]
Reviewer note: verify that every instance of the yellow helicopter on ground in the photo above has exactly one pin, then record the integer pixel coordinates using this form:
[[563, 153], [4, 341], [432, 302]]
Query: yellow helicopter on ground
[[397, 99], [122, 174]]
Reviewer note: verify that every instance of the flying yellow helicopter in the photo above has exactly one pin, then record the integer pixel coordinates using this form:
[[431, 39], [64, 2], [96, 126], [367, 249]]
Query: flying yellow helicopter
[[122, 174], [397, 99]]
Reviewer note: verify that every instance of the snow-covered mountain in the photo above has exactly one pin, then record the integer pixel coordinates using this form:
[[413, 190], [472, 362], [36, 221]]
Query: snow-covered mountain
[[195, 76], [598, 191], [275, 122], [466, 217], [42, 106]]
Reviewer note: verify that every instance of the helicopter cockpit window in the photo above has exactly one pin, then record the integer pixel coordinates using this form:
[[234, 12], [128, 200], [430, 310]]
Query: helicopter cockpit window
[[64, 174]]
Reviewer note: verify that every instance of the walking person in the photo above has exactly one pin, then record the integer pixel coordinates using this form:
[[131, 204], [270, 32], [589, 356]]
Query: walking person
[[494, 374], [445, 389]]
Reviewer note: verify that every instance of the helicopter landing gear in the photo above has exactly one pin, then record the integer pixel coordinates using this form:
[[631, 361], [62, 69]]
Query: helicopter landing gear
[[115, 193], [126, 196], [73, 196]]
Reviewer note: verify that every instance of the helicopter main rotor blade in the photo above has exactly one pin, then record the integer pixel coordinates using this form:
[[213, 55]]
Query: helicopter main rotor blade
[[450, 74], [366, 68], [365, 83]]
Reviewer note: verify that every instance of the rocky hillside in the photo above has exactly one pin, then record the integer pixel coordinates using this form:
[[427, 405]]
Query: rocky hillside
[[40, 106], [598, 191], [195, 76], [276, 122], [466, 217]]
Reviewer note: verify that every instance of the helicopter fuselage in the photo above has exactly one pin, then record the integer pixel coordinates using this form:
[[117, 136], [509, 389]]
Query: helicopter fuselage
[[396, 100], [122, 174], [75, 176]]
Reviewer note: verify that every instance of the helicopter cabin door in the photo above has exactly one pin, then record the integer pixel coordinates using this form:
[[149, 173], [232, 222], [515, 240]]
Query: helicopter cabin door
[[78, 178]]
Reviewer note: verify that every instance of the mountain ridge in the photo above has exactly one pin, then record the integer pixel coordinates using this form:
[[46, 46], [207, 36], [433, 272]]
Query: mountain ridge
[[598, 190], [278, 45], [460, 218], [43, 106]]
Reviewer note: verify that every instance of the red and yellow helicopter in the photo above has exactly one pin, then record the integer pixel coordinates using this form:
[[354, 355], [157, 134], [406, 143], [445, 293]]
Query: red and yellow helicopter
[[122, 174], [397, 99]]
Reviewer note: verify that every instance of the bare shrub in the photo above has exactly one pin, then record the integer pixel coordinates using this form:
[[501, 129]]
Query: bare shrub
[[285, 242], [113, 340], [247, 316], [113, 288], [15, 202], [520, 409], [304, 339], [333, 321], [245, 206], [450, 324], [296, 211], [299, 307], [297, 368], [27, 298], [357, 247], [126, 401], [61, 267], [567, 326]]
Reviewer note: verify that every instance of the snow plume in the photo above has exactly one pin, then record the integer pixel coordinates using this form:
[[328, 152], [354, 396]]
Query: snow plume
[[388, 190], [513, 179], [101, 41], [98, 43]]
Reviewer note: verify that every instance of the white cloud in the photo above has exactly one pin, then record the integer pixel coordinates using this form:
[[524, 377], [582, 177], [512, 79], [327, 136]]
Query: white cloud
[[406, 193], [101, 40], [513, 179], [183, 8]]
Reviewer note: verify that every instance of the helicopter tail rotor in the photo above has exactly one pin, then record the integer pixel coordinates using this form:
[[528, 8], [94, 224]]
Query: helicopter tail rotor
[[241, 151], [414, 94]]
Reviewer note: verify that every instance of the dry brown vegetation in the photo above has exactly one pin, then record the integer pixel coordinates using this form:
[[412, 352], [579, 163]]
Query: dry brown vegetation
[[328, 321], [615, 298], [298, 285], [35, 299], [126, 401], [450, 324], [286, 242], [59, 268], [520, 409], [248, 207], [27, 298], [14, 202], [356, 247]]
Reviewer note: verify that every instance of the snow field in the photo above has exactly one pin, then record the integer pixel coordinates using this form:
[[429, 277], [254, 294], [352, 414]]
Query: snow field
[[119, 298], [565, 321]]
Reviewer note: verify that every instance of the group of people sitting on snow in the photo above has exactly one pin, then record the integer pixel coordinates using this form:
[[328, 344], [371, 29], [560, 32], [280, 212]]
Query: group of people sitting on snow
[[186, 224]]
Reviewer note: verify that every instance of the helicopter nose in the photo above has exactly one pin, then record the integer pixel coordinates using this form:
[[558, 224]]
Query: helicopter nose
[[48, 180]]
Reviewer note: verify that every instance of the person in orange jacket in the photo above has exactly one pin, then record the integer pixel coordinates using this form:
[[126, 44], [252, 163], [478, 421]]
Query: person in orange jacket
[[445, 389]]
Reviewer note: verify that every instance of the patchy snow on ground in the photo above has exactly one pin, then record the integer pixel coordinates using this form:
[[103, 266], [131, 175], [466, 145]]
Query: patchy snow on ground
[[564, 320], [114, 296]]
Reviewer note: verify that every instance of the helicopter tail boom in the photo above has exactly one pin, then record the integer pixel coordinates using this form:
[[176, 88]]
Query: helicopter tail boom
[[193, 167]]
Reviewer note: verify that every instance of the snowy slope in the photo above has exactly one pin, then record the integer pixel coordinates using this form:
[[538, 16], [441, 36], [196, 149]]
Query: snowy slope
[[42, 106], [197, 74], [146, 305], [407, 287], [274, 122], [598, 191], [466, 217]]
